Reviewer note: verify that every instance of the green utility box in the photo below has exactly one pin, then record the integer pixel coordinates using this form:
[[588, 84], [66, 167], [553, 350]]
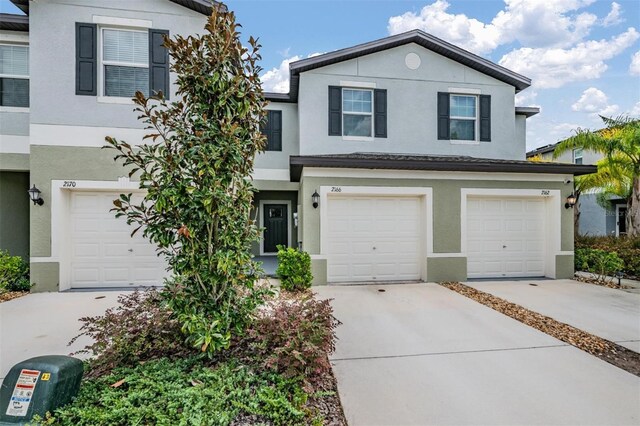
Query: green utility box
[[38, 385]]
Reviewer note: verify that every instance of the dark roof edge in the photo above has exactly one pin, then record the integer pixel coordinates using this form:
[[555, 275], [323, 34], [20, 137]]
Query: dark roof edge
[[542, 150], [23, 5], [278, 97], [414, 36], [297, 162], [527, 111], [13, 22], [200, 6]]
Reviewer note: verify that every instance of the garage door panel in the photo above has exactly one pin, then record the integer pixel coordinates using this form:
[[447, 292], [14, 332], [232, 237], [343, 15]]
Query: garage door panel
[[102, 251], [390, 224], [505, 237]]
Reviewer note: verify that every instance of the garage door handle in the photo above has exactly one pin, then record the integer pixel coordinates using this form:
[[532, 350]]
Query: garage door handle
[[504, 246], [374, 248], [130, 250]]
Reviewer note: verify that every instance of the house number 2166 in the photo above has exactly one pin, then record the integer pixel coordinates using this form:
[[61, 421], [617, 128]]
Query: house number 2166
[[336, 189]]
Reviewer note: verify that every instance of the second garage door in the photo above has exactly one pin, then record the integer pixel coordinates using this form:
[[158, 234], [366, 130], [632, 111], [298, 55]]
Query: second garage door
[[103, 254], [505, 237], [374, 238]]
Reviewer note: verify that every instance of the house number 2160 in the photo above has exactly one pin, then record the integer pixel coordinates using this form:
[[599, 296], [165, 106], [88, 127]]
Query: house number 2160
[[336, 189]]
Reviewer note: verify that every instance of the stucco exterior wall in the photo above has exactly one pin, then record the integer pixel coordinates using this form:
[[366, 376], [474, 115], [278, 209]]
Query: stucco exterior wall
[[14, 213], [52, 37], [290, 139], [446, 219], [411, 105]]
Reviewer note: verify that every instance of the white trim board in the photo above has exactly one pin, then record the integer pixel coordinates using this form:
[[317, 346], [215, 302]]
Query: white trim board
[[261, 205], [86, 136], [13, 144], [429, 174], [122, 22], [271, 174]]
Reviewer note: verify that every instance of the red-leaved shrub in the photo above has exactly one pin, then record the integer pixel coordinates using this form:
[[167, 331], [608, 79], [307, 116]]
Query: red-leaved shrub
[[293, 334]]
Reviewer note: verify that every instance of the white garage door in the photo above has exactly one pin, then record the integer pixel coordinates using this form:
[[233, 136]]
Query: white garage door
[[505, 237], [103, 254], [373, 238]]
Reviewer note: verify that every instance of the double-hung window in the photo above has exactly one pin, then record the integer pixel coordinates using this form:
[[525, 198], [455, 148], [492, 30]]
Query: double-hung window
[[125, 62], [463, 116], [14, 76], [357, 112], [577, 156]]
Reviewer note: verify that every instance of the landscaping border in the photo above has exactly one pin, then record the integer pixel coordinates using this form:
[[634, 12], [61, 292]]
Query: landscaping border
[[606, 350]]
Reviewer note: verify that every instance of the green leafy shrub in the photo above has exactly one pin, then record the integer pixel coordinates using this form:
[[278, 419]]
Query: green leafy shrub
[[628, 249], [139, 329], [601, 263], [14, 273], [294, 269], [294, 336], [185, 392]]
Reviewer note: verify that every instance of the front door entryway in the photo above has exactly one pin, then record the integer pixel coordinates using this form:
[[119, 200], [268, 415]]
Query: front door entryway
[[276, 227], [621, 225]]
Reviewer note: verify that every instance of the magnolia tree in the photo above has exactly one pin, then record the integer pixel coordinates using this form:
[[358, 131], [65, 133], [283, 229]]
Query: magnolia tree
[[195, 168]]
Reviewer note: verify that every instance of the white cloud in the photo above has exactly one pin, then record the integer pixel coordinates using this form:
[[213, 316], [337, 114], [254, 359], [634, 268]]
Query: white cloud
[[596, 103], [613, 17], [554, 67], [634, 67], [526, 98], [635, 111], [468, 33], [533, 23], [277, 79]]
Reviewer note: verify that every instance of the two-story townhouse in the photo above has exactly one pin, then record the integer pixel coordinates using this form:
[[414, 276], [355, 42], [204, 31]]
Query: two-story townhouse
[[396, 160], [594, 219]]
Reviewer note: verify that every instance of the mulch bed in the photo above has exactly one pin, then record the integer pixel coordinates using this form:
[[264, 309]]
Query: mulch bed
[[608, 351], [328, 405], [603, 283], [10, 295]]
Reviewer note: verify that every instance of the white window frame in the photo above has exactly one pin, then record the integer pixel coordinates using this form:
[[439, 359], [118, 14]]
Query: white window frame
[[102, 96], [576, 157], [16, 76], [357, 138], [476, 119]]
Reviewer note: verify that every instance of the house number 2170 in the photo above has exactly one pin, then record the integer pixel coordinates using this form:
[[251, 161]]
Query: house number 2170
[[69, 184], [336, 189]]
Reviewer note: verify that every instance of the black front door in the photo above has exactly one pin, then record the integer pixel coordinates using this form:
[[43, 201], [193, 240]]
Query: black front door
[[275, 227], [622, 220]]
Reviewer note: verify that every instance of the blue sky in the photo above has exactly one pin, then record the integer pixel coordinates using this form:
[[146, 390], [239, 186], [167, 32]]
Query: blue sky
[[582, 55]]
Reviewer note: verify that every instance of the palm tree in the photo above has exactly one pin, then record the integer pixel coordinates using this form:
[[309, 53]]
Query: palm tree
[[619, 170]]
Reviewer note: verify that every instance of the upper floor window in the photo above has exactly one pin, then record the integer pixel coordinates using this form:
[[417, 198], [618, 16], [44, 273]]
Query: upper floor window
[[577, 156], [272, 129], [125, 62], [14, 75], [463, 117], [357, 112]]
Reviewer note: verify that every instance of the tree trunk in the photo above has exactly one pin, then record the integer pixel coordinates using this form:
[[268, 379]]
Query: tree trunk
[[576, 216], [633, 209]]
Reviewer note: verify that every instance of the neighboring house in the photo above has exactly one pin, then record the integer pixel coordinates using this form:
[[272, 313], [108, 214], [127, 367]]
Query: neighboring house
[[400, 159], [594, 219]]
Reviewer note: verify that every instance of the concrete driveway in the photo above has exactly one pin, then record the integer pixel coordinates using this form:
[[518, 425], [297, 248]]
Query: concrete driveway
[[606, 312], [420, 354], [43, 324]]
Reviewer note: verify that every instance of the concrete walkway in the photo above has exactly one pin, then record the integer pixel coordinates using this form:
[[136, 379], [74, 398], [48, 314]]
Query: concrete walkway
[[420, 354], [43, 324], [606, 312]]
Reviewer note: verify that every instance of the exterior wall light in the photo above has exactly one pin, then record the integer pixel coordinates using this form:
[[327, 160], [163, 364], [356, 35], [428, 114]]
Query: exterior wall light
[[34, 195], [315, 197], [571, 201]]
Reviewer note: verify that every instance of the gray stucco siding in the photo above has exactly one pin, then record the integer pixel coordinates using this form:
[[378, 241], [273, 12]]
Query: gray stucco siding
[[14, 213], [14, 123], [58, 103], [290, 139], [14, 162], [411, 106]]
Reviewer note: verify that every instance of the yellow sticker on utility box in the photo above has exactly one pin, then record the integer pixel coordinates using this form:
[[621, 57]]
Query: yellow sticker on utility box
[[45, 376]]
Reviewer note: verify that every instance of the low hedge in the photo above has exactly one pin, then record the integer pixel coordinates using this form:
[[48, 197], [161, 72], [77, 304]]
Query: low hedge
[[14, 273], [628, 249]]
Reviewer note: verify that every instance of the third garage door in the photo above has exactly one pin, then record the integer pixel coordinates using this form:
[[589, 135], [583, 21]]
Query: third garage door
[[374, 238], [505, 237]]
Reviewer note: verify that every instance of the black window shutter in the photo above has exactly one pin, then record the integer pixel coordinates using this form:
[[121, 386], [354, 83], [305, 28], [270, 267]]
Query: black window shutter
[[273, 130], [380, 119], [335, 111], [443, 116], [86, 59], [485, 118], [158, 63]]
